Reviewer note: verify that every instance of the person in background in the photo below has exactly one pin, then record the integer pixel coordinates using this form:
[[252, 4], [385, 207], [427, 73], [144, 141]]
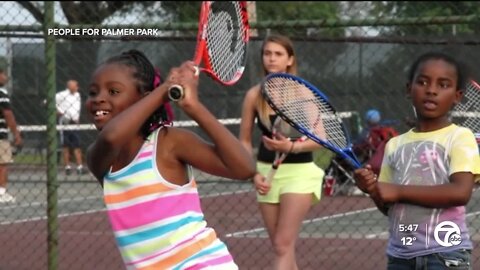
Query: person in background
[[297, 185], [68, 104], [7, 123], [372, 119], [370, 145]]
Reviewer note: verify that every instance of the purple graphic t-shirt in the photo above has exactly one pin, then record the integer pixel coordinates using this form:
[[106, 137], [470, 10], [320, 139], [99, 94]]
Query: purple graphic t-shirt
[[428, 158]]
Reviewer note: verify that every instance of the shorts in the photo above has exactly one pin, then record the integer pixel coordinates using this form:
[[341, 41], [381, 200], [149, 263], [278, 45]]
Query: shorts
[[458, 259], [71, 139], [5, 152], [303, 178]]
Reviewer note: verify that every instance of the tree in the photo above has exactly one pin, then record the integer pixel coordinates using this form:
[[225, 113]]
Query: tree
[[384, 78], [84, 12], [304, 10], [75, 59], [422, 9]]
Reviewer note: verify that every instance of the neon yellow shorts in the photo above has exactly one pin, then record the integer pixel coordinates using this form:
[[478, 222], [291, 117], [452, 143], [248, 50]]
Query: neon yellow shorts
[[301, 178]]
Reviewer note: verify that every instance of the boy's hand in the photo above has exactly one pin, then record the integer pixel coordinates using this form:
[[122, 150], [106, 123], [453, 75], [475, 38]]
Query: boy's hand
[[365, 179]]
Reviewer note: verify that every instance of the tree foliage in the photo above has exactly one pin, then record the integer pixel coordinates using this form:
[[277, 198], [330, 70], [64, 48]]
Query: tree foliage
[[77, 12], [182, 11], [304, 10], [389, 73], [294, 10], [422, 9]]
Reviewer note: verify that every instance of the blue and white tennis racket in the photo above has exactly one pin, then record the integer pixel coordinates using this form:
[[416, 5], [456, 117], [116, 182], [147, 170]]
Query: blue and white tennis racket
[[309, 111]]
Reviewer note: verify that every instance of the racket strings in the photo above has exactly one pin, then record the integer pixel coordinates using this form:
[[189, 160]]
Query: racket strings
[[307, 110], [473, 100], [281, 127], [469, 108], [226, 40]]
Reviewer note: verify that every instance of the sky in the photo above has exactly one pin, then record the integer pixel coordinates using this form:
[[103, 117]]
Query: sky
[[11, 13]]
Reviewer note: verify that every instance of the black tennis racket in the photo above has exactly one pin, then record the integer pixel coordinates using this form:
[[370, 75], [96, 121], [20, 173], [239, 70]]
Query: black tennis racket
[[223, 35], [309, 111], [280, 127]]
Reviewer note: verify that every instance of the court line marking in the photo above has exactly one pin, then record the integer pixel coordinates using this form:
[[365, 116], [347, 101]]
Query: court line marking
[[45, 217], [38, 218], [340, 215], [91, 211], [226, 193], [60, 201]]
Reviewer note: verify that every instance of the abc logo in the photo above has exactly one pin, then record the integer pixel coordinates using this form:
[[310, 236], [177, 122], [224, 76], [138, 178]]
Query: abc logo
[[451, 234]]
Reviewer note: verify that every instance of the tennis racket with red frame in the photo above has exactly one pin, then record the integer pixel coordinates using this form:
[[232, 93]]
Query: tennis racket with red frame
[[222, 39], [281, 127], [468, 110]]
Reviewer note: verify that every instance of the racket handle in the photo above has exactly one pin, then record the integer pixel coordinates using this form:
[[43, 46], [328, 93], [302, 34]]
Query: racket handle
[[270, 175], [175, 92]]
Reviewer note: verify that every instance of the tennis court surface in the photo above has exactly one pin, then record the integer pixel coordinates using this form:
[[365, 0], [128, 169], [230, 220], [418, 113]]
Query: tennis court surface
[[341, 232]]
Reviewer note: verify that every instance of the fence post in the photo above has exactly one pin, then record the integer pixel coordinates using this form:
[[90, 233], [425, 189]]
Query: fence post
[[52, 144]]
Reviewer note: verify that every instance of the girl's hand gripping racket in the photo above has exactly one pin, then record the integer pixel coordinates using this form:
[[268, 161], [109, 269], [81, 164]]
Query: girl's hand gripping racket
[[223, 35], [469, 108], [280, 127], [309, 111]]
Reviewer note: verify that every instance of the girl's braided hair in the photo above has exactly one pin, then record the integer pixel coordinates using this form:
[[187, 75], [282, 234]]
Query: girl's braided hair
[[148, 78]]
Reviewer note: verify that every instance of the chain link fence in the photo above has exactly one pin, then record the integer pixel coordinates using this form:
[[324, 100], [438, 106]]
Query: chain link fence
[[358, 53]]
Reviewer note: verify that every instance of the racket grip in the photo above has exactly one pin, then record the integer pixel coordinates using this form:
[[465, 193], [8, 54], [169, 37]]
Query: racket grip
[[270, 175], [175, 92]]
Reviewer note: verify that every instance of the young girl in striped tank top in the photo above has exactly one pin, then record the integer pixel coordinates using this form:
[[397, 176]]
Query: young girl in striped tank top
[[144, 165]]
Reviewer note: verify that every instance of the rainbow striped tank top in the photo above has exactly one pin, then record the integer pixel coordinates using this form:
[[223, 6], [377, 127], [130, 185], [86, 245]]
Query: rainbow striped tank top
[[159, 225]]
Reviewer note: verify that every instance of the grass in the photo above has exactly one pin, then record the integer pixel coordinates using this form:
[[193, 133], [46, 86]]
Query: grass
[[323, 157], [27, 158]]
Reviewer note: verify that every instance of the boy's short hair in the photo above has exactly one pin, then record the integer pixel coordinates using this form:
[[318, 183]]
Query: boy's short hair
[[463, 71]]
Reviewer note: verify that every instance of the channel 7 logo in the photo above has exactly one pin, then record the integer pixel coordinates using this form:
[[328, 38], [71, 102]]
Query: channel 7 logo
[[451, 234]]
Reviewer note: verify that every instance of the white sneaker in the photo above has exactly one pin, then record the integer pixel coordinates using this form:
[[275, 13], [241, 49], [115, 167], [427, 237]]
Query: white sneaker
[[80, 170], [6, 198]]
